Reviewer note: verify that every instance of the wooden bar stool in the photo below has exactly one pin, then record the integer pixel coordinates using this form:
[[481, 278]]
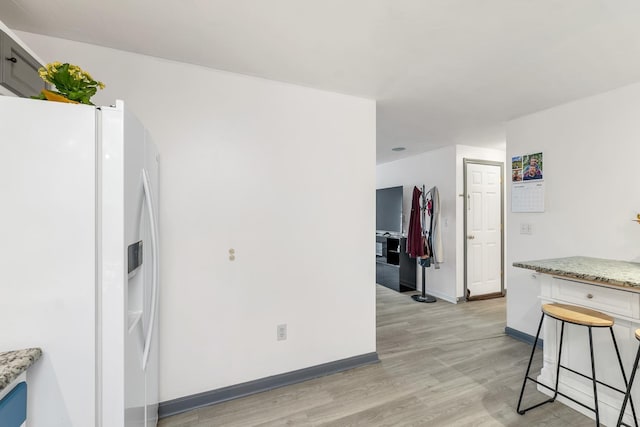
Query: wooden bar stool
[[582, 317], [627, 395]]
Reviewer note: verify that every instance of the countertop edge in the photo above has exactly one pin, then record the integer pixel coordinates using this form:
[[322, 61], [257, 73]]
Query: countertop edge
[[582, 277], [14, 363]]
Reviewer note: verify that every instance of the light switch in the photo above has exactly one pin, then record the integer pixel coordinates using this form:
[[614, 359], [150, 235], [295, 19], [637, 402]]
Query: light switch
[[526, 228]]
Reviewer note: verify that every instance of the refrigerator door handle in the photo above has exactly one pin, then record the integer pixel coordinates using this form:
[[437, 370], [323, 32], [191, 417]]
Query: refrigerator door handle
[[154, 281]]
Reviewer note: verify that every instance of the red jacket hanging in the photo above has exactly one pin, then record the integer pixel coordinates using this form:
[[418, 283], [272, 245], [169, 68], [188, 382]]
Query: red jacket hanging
[[415, 245]]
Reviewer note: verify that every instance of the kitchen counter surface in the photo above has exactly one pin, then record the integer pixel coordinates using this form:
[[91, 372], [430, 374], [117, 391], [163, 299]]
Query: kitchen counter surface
[[14, 363], [601, 271]]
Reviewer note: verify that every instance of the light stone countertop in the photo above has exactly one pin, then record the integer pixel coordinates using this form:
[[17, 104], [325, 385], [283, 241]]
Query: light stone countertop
[[14, 363], [603, 271]]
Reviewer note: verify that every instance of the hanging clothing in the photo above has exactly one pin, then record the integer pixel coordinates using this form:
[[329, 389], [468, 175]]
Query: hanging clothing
[[415, 246], [435, 231], [427, 209]]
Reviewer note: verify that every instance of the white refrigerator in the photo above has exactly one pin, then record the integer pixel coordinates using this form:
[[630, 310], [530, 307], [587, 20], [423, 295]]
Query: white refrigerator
[[79, 261]]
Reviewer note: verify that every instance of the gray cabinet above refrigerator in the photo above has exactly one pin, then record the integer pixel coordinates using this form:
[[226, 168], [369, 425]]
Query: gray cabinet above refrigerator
[[18, 69]]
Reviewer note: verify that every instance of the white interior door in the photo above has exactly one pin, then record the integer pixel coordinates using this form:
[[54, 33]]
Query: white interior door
[[483, 229]]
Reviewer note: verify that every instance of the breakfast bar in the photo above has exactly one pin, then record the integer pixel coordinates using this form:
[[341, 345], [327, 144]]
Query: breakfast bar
[[611, 287]]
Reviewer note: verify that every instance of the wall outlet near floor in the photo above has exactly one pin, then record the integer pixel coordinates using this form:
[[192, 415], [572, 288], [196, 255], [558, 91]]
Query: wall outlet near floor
[[282, 332]]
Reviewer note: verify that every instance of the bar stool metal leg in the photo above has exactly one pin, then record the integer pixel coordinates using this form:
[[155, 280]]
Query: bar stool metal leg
[[627, 395], [593, 376], [526, 375], [555, 392], [624, 377]]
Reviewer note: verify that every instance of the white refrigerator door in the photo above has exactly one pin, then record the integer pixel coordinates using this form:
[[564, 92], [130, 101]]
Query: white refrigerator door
[[151, 297], [123, 305], [48, 254]]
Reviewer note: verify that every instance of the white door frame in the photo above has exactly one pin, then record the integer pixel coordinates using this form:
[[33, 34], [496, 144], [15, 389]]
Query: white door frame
[[464, 235]]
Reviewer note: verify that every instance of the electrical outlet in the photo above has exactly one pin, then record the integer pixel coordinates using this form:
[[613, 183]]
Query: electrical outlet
[[282, 332]]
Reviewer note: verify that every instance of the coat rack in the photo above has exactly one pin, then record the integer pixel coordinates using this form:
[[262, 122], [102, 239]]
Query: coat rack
[[426, 262]]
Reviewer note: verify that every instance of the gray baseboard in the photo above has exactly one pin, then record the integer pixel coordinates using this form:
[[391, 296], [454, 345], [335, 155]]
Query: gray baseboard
[[521, 336], [187, 403]]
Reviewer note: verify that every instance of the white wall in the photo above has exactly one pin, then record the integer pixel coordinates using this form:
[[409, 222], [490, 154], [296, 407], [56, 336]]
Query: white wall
[[284, 175], [591, 151]]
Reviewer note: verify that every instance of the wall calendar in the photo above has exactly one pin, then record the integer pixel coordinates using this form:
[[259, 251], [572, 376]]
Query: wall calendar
[[527, 183]]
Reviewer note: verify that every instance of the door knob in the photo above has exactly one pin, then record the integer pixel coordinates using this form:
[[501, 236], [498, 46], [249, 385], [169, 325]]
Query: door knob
[[471, 237], [12, 59]]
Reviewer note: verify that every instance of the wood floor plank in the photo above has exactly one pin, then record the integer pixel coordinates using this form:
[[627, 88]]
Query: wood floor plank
[[441, 364]]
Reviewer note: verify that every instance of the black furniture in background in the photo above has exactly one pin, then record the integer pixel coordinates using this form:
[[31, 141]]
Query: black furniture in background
[[394, 268]]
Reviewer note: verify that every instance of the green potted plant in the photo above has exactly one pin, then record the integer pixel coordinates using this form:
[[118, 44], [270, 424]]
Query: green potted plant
[[72, 84]]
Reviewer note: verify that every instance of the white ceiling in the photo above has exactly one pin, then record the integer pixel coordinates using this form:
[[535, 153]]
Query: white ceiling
[[443, 71]]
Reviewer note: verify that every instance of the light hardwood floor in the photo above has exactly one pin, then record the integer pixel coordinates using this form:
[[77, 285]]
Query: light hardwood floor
[[441, 365]]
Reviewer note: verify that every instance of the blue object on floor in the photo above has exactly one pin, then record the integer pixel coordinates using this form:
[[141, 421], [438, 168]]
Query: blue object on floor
[[13, 407]]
